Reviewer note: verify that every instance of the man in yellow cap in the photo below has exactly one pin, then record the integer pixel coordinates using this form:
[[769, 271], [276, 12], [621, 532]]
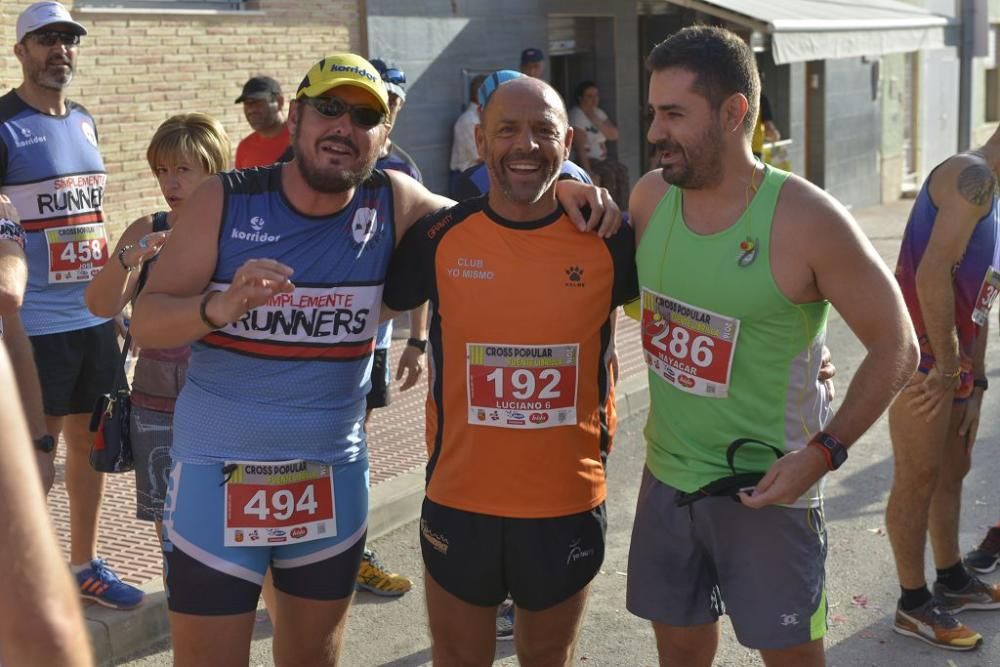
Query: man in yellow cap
[[275, 277]]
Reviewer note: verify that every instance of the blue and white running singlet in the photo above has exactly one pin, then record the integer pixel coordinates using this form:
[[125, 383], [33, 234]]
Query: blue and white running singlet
[[289, 379]]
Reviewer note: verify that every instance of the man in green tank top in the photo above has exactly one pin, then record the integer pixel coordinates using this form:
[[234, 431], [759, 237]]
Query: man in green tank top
[[738, 265]]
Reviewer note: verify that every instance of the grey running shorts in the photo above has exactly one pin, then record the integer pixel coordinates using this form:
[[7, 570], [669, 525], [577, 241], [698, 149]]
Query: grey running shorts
[[764, 568]]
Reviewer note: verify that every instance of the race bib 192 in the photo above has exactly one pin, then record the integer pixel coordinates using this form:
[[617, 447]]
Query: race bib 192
[[689, 347], [522, 386], [76, 253], [278, 502]]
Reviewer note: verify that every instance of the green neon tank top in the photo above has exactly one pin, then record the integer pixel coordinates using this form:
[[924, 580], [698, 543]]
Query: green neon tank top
[[728, 355]]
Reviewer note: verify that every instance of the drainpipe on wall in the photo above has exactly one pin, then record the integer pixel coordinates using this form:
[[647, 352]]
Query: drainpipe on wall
[[974, 17]]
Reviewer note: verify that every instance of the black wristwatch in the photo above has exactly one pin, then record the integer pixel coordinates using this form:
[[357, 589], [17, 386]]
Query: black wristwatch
[[419, 343], [833, 449], [46, 443]]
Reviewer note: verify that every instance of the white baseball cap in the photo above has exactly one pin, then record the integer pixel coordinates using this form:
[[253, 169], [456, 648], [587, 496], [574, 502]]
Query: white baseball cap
[[45, 13]]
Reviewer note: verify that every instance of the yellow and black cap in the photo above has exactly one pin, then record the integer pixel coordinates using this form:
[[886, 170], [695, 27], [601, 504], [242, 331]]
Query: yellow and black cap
[[344, 69]]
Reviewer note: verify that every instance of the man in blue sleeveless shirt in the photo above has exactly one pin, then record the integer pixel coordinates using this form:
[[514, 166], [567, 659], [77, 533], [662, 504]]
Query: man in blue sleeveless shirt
[[270, 462], [949, 273], [51, 168]]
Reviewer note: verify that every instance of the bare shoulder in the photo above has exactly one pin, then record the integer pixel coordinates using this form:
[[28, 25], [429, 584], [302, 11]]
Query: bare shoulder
[[814, 240], [965, 179], [803, 208], [412, 201], [646, 195]]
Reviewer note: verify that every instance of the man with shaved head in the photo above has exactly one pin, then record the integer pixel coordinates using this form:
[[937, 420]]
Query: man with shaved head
[[521, 404]]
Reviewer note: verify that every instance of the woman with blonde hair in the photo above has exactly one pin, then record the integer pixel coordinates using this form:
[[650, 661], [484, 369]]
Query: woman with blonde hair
[[185, 150]]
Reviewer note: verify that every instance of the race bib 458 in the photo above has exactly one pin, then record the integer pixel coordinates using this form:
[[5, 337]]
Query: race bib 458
[[76, 253]]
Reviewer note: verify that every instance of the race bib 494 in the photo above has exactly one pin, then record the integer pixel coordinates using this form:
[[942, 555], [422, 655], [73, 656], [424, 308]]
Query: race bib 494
[[278, 502], [689, 347], [522, 386]]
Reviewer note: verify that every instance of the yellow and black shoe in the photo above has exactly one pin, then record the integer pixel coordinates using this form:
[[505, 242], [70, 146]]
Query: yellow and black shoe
[[374, 578]]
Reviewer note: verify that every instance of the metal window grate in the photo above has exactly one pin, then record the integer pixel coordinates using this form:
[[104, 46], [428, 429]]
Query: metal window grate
[[178, 5]]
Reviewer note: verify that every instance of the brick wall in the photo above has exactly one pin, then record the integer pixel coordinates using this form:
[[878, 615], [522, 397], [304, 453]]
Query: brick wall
[[134, 70]]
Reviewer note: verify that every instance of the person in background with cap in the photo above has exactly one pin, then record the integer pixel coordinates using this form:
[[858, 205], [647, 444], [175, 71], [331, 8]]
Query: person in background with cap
[[373, 576], [52, 171], [264, 108], [464, 154], [392, 156], [533, 63], [270, 423]]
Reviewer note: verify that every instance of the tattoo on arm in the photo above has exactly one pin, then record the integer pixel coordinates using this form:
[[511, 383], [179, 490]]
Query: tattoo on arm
[[977, 183]]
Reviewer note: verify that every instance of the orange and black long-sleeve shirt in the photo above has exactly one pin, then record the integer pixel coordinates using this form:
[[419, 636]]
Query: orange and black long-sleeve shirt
[[520, 408]]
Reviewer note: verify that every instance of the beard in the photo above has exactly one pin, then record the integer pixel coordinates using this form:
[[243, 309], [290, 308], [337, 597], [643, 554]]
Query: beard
[[329, 179], [694, 173], [55, 74], [523, 193]]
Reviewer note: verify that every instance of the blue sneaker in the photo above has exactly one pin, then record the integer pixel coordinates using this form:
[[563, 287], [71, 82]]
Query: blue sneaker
[[100, 584], [505, 621]]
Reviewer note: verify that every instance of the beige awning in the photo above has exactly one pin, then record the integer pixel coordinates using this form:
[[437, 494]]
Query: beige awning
[[803, 30]]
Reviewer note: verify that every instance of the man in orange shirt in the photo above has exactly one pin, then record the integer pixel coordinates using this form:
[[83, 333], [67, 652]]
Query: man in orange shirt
[[520, 413], [264, 108]]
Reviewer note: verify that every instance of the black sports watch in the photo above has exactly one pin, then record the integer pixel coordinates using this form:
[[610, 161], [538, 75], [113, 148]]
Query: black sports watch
[[46, 443], [419, 343], [833, 449]]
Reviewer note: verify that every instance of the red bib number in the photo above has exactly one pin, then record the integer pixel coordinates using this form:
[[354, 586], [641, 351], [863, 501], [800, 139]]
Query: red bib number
[[77, 253], [688, 347], [987, 295], [278, 502], [522, 386]]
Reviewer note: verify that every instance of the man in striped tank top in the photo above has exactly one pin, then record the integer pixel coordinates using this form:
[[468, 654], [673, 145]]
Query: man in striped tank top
[[52, 170], [949, 271]]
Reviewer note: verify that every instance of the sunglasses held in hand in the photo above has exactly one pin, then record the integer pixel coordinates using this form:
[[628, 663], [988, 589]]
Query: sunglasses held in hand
[[334, 107]]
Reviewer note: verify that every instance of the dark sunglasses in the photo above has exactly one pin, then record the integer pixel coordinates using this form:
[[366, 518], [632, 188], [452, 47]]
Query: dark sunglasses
[[393, 75], [50, 37], [334, 107]]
